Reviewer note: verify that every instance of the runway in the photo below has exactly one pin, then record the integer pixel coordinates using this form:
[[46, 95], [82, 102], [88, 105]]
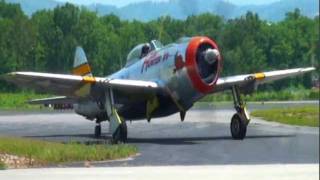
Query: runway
[[202, 139]]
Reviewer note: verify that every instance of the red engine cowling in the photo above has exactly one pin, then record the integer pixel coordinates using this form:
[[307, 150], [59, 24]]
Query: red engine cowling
[[203, 62]]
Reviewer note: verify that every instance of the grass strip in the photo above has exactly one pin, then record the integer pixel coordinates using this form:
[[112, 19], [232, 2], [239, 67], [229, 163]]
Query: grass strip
[[302, 116], [282, 95], [54, 153], [2, 166], [19, 100]]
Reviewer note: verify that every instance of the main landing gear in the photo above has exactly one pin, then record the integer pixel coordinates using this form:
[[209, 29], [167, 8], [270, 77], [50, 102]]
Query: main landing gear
[[241, 119], [120, 134], [117, 125], [97, 130]]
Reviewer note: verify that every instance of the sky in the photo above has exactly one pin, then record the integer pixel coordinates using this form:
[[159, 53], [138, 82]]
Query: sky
[[120, 3]]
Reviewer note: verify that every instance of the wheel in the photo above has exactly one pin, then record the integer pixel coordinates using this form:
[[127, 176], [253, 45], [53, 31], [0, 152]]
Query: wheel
[[121, 133], [238, 127], [97, 131]]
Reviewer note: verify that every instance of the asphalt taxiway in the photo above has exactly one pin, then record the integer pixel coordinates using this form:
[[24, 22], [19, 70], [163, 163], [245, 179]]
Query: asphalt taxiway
[[202, 139]]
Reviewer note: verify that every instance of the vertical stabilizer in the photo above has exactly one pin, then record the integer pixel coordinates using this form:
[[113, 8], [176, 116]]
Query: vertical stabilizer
[[80, 64]]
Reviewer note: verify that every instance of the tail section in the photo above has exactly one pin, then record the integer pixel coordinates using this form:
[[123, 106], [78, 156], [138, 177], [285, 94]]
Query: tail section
[[80, 64]]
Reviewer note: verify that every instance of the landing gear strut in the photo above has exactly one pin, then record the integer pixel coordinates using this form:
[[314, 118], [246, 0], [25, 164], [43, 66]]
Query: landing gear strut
[[97, 129], [120, 135], [241, 119], [117, 125]]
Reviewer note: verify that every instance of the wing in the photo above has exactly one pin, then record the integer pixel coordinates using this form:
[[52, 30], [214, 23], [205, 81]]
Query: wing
[[249, 82], [76, 87]]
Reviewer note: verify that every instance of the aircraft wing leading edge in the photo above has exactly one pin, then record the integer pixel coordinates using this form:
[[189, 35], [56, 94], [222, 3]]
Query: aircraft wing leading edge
[[249, 82], [73, 87]]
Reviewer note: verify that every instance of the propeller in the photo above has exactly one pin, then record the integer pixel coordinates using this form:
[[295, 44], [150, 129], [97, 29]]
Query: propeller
[[211, 55]]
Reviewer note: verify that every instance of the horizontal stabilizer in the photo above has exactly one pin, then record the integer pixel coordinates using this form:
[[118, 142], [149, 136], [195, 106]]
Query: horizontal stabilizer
[[53, 100]]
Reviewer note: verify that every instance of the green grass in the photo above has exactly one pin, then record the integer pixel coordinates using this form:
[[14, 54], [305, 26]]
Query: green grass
[[53, 153], [15, 101], [282, 95], [303, 116], [2, 166]]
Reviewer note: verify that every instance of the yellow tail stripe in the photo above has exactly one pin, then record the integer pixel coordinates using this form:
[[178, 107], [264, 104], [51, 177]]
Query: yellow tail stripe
[[82, 69]]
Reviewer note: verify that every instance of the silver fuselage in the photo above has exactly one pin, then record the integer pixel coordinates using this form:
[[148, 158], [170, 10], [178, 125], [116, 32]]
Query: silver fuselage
[[159, 66]]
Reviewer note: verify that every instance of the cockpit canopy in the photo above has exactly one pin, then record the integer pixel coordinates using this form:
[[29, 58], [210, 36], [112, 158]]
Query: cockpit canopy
[[141, 50]]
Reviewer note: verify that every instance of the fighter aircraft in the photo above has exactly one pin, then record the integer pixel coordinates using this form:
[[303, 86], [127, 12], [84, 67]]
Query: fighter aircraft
[[156, 81]]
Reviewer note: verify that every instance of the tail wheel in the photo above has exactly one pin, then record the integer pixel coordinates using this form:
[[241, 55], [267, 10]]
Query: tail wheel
[[121, 134], [238, 127]]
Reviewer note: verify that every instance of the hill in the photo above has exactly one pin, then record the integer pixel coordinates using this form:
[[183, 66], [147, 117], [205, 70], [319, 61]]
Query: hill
[[180, 9], [31, 6]]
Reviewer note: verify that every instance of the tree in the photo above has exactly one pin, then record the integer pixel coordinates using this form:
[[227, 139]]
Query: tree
[[46, 41]]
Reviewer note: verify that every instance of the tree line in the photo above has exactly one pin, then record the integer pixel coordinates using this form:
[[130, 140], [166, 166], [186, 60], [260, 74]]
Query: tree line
[[46, 40]]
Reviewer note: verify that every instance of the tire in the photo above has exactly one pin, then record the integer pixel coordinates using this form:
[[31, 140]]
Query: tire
[[97, 131], [238, 127], [121, 134]]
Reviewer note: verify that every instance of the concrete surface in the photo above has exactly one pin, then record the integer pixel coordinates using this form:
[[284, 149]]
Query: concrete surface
[[241, 172]]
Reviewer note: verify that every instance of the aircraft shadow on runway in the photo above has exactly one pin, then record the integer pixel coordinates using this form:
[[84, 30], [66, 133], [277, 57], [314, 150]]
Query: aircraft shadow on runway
[[89, 139], [196, 140]]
